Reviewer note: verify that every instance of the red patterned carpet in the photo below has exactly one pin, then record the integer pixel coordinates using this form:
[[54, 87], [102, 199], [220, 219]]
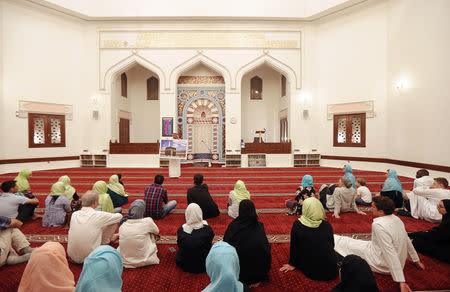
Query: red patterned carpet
[[270, 187]]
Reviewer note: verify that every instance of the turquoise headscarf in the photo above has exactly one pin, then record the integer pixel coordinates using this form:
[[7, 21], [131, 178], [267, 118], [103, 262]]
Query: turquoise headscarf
[[307, 181], [392, 183], [349, 174], [102, 271], [222, 266]]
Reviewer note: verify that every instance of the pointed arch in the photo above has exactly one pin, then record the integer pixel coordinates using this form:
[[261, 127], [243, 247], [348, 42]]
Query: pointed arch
[[127, 63], [276, 64], [200, 58]]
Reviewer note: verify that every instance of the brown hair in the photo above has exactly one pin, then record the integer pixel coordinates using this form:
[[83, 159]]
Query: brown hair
[[422, 172], [443, 181], [361, 181], [384, 204]]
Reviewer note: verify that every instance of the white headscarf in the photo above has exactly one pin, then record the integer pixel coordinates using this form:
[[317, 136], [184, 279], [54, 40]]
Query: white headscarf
[[194, 218]]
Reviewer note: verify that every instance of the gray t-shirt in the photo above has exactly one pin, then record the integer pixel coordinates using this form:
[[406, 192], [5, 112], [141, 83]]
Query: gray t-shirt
[[9, 203]]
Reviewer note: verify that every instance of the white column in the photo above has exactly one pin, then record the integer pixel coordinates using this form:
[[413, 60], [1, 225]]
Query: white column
[[233, 122]]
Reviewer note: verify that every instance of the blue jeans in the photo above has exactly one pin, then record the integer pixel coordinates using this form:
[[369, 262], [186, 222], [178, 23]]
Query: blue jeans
[[359, 201], [168, 207]]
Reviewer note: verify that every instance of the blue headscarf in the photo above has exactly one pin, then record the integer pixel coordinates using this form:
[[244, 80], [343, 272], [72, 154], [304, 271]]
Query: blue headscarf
[[349, 174], [392, 183], [102, 271], [307, 181], [222, 266]]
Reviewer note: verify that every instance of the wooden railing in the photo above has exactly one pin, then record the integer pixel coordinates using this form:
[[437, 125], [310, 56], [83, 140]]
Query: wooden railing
[[268, 148], [133, 148]]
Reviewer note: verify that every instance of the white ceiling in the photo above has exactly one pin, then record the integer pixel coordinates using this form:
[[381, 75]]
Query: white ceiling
[[152, 9]]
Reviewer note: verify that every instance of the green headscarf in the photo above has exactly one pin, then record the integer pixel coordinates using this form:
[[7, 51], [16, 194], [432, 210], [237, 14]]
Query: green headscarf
[[58, 189], [313, 213], [240, 191], [103, 198], [115, 186], [69, 190], [22, 180]]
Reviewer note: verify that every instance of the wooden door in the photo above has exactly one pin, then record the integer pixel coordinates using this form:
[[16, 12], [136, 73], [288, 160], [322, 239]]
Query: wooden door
[[124, 131]]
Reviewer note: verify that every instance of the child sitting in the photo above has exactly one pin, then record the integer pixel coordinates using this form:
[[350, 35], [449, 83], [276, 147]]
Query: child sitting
[[363, 194], [304, 191]]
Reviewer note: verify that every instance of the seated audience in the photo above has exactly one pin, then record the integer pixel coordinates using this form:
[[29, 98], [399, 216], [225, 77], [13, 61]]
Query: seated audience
[[235, 197], [342, 199], [12, 239], [16, 206], [423, 201], [363, 194], [102, 271], [386, 253], [157, 205], [194, 240], [200, 195], [435, 242], [247, 235], [47, 270], [56, 206], [349, 174], [392, 188], [423, 179], [137, 238], [69, 191], [355, 275], [23, 185], [222, 267], [90, 228], [104, 200], [117, 192], [312, 244], [304, 191]]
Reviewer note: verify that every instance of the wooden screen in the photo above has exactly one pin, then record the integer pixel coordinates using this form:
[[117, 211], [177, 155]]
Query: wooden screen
[[46, 130], [350, 130], [124, 131]]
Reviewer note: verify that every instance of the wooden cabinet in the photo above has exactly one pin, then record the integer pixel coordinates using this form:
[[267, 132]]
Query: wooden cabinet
[[233, 160], [256, 160], [93, 160], [304, 160]]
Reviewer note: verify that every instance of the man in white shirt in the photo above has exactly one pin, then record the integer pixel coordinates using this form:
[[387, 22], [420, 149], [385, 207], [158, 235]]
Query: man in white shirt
[[90, 228], [10, 203], [423, 201], [386, 253], [423, 179]]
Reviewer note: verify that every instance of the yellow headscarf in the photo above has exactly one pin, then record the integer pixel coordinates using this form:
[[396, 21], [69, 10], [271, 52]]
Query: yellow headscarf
[[58, 189], [313, 213], [103, 198], [69, 190], [115, 186], [240, 191], [22, 180]]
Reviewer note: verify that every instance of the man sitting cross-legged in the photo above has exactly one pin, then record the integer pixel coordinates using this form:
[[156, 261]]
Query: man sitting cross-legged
[[386, 253], [157, 205], [12, 238], [16, 206], [90, 228], [200, 195]]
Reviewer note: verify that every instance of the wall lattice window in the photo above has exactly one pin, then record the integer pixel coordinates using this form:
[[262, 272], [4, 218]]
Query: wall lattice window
[[124, 85], [152, 88], [46, 130], [350, 130], [256, 88]]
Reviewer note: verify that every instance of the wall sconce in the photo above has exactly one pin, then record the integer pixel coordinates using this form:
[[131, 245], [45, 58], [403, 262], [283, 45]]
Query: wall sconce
[[305, 101], [95, 99], [401, 84]]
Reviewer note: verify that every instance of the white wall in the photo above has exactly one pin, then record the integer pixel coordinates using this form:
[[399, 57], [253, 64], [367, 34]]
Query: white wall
[[260, 114], [418, 52]]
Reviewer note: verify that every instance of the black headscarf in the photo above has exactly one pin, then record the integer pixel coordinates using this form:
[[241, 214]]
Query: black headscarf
[[442, 231], [356, 276], [247, 220]]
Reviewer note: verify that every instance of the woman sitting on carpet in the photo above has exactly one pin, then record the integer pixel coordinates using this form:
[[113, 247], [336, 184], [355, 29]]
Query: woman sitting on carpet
[[349, 174], [104, 201], [102, 271], [71, 193], [194, 240], [435, 242], [392, 188], [137, 238], [235, 197], [312, 244], [355, 275], [222, 267], [248, 237], [23, 185], [117, 192], [57, 206], [304, 191], [47, 270]]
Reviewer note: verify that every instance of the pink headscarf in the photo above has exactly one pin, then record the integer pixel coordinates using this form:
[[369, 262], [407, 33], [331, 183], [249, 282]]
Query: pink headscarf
[[47, 270]]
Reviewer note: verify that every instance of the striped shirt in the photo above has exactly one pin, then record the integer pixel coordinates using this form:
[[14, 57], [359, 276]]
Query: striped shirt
[[154, 196]]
